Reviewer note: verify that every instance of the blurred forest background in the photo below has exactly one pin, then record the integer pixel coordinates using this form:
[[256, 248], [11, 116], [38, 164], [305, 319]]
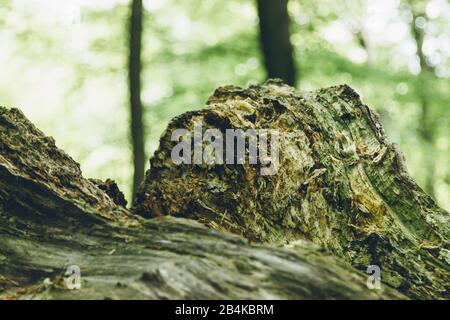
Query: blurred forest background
[[69, 66]]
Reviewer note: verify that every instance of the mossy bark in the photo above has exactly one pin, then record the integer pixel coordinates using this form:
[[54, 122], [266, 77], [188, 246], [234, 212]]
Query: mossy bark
[[51, 218], [340, 184]]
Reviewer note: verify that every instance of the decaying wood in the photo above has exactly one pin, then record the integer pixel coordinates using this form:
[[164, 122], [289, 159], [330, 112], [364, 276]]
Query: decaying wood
[[51, 218], [340, 184]]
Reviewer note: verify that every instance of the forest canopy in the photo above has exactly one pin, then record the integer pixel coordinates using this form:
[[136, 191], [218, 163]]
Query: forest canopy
[[64, 63]]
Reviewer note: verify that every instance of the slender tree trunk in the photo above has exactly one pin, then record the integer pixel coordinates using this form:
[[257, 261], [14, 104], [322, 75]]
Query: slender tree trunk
[[426, 126], [137, 127], [275, 40]]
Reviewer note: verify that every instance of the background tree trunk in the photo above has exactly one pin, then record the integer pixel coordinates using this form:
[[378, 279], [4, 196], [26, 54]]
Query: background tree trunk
[[425, 125], [137, 127], [275, 40]]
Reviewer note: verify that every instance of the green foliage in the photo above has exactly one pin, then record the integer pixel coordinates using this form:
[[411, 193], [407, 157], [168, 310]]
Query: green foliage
[[65, 66]]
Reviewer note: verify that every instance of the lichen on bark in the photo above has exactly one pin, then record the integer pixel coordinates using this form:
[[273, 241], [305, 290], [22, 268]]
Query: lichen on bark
[[51, 217], [340, 184]]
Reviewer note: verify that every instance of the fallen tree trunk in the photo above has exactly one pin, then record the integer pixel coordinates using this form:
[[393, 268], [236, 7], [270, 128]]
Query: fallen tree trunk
[[339, 184], [52, 218]]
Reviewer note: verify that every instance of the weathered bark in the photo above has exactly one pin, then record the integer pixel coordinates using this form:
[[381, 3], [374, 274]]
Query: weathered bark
[[275, 40], [136, 114], [51, 217], [340, 184]]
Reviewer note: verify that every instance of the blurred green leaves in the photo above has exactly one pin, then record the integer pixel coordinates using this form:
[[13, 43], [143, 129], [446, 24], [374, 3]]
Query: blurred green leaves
[[69, 75]]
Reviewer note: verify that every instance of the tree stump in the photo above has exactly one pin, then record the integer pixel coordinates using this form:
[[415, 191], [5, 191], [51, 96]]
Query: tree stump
[[339, 184], [53, 220]]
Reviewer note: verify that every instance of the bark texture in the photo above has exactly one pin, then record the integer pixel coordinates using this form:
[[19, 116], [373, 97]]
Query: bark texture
[[51, 217], [340, 184], [426, 121]]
